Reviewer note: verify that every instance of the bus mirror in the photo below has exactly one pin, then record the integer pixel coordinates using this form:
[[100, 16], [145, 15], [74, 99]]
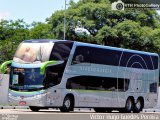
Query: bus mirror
[[44, 65], [3, 67]]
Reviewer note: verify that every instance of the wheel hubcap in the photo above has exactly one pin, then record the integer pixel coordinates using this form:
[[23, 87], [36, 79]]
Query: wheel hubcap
[[67, 103], [138, 105]]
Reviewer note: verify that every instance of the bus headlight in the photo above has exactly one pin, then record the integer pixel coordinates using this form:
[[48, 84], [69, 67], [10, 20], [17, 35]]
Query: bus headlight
[[12, 97], [9, 95], [40, 95]]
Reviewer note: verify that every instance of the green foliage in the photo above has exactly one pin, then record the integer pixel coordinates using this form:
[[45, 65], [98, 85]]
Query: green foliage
[[155, 37], [128, 34], [40, 31], [12, 33], [133, 29]]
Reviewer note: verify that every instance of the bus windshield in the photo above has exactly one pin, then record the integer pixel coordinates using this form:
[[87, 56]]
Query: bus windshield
[[26, 79]]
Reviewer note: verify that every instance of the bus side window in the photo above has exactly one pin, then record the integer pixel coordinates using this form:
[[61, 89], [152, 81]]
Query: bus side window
[[153, 87], [52, 78]]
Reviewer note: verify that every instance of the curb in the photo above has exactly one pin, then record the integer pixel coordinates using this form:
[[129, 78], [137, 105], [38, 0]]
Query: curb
[[14, 107]]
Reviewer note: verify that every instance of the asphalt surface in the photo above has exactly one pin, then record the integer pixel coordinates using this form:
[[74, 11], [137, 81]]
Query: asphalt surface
[[53, 114]]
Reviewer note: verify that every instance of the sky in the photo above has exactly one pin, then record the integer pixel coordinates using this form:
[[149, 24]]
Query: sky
[[30, 10]]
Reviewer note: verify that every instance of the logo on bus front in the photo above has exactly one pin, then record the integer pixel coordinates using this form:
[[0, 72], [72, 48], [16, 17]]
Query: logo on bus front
[[22, 103]]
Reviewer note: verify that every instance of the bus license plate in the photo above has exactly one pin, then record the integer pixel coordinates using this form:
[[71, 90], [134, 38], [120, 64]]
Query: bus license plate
[[22, 103]]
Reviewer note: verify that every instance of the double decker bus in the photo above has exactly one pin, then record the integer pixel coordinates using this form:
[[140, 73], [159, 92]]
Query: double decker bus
[[66, 75]]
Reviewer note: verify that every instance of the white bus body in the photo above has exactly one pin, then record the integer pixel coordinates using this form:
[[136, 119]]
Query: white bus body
[[75, 75]]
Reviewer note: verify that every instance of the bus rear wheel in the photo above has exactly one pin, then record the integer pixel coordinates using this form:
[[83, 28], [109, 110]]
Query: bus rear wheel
[[67, 104], [138, 106], [34, 109], [129, 105]]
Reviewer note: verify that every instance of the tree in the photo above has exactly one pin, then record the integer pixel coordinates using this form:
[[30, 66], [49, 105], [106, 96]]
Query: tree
[[12, 33], [155, 36], [40, 31], [92, 18], [128, 29]]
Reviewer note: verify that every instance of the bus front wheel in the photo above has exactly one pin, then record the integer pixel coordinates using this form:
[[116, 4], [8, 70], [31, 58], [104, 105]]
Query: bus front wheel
[[34, 109], [67, 104]]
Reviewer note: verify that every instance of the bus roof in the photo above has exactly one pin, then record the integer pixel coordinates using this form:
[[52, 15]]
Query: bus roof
[[88, 44], [44, 41], [115, 48]]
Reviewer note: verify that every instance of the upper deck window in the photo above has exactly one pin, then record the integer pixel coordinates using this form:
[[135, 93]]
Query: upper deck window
[[93, 55], [61, 51], [85, 54]]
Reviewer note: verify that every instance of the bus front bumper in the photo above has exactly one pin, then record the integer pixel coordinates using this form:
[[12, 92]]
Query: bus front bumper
[[27, 100]]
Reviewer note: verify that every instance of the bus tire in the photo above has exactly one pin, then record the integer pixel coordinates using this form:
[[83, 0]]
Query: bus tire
[[34, 109], [138, 105], [67, 104], [129, 105]]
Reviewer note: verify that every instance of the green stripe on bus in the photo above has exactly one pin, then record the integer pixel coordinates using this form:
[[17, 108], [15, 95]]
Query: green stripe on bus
[[44, 65], [90, 90]]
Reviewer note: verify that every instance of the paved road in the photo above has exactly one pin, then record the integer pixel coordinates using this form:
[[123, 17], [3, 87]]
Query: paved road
[[25, 114], [50, 111]]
